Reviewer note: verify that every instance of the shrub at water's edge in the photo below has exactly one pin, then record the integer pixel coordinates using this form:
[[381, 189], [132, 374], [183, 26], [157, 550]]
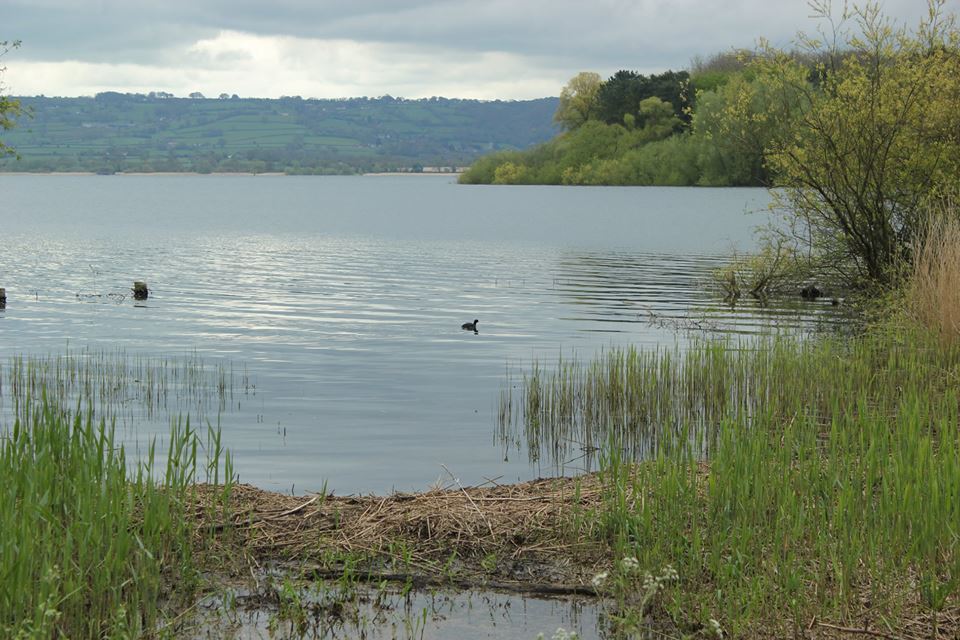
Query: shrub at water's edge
[[866, 147], [91, 546]]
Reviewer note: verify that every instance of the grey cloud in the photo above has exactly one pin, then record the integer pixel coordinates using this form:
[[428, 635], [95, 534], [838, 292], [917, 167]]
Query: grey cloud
[[562, 35], [96, 31]]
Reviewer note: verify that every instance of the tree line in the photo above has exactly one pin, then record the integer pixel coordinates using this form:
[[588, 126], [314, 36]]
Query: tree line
[[116, 132]]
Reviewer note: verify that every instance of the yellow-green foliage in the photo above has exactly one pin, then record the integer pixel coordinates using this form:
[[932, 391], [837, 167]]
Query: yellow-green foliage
[[596, 153], [860, 143], [509, 173], [653, 147], [578, 100]]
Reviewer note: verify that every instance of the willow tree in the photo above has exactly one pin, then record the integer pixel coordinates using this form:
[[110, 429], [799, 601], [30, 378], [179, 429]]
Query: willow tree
[[9, 108], [578, 100], [863, 130]]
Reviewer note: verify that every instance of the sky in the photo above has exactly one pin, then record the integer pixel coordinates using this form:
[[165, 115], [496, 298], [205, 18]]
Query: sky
[[485, 49]]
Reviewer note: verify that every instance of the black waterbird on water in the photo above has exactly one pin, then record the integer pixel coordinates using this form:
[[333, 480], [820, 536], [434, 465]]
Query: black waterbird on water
[[470, 326]]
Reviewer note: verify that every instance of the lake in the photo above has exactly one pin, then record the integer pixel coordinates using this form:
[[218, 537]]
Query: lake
[[342, 298]]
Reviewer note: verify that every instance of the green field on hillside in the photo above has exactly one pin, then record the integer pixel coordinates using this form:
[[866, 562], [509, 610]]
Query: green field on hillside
[[115, 132]]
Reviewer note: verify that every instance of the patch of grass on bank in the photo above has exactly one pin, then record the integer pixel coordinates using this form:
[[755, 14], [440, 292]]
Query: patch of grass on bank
[[91, 545], [789, 483]]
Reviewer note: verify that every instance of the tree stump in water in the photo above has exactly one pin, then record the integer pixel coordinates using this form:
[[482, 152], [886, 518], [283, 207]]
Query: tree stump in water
[[3, 298], [140, 291], [810, 292]]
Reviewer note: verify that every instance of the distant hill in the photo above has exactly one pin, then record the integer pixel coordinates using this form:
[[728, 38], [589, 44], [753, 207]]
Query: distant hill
[[116, 132]]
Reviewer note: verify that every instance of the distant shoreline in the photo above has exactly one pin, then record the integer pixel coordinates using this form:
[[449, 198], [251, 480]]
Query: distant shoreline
[[273, 174], [413, 174]]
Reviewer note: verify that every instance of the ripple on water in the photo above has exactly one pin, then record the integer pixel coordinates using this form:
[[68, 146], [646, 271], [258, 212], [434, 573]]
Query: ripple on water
[[344, 300]]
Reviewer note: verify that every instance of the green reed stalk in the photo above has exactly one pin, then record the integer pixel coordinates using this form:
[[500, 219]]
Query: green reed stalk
[[90, 548], [120, 385]]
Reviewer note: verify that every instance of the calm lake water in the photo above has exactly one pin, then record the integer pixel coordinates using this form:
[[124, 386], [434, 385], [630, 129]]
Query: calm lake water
[[342, 298]]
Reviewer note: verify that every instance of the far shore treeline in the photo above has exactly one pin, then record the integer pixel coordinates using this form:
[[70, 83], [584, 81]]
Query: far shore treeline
[[158, 132]]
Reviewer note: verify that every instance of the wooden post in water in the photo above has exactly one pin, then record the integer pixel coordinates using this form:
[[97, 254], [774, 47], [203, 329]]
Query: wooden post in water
[[3, 298], [140, 291]]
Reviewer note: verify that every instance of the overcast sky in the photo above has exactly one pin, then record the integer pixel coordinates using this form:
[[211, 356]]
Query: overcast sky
[[508, 49]]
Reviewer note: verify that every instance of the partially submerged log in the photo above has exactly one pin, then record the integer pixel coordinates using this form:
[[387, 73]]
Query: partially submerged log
[[3, 298], [140, 291]]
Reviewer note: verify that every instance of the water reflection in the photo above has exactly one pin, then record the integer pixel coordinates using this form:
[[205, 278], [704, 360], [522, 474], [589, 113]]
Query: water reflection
[[674, 292], [346, 302], [326, 612]]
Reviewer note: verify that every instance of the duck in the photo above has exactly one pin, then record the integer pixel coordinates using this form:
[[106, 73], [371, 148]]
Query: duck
[[470, 326]]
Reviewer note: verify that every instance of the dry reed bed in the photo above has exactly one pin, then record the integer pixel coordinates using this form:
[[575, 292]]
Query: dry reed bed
[[513, 536], [934, 286]]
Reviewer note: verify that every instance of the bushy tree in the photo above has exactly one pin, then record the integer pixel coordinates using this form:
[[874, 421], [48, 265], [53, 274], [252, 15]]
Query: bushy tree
[[510, 173], [859, 149], [620, 96], [656, 118], [733, 126], [578, 100], [9, 108]]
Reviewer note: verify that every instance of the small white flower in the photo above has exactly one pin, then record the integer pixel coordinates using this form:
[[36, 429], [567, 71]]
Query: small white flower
[[630, 564], [599, 579], [715, 628], [669, 573]]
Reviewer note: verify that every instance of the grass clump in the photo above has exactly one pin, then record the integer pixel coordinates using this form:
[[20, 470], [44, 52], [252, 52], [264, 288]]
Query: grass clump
[[790, 483], [93, 546]]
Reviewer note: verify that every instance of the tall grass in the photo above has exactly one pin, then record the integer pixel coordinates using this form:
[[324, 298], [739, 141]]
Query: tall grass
[[91, 546], [638, 397], [786, 481], [933, 292]]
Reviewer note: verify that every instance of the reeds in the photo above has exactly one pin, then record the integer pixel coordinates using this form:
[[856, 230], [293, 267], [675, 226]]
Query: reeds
[[90, 544], [123, 386], [637, 397], [787, 481]]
